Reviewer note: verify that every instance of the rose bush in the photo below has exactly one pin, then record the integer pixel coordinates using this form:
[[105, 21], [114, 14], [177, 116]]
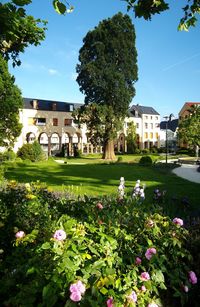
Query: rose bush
[[57, 251]]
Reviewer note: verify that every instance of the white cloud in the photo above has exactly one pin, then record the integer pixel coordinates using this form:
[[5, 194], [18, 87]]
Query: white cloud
[[53, 72]]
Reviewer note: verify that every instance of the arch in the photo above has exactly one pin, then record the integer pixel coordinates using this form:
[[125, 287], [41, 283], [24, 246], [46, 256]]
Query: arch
[[121, 142], [75, 138], [65, 138], [30, 137], [43, 141]]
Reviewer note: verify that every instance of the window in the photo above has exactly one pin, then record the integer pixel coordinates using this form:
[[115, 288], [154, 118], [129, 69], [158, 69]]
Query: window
[[151, 135], [151, 117], [71, 108], [40, 121], [157, 125], [156, 117], [137, 125], [146, 125], [54, 107], [146, 135], [68, 122], [55, 122], [157, 135], [146, 117], [151, 126]]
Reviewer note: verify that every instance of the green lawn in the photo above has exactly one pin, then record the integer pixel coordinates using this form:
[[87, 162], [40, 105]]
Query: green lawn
[[92, 177]]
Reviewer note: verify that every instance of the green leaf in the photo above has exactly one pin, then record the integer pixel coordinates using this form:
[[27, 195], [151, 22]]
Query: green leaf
[[46, 245], [21, 2], [104, 290], [59, 7]]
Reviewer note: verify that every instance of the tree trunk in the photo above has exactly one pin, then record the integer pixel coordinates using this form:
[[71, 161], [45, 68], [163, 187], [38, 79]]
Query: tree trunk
[[108, 151]]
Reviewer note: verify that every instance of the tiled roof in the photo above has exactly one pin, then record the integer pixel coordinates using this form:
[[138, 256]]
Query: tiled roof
[[143, 110], [47, 105]]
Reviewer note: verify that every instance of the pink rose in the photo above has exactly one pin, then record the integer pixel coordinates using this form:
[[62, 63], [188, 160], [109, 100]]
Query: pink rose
[[145, 276], [132, 297], [178, 221], [75, 296], [143, 288], [185, 288], [99, 206], [138, 260], [20, 234], [192, 277], [76, 290], [150, 252], [60, 235], [110, 302]]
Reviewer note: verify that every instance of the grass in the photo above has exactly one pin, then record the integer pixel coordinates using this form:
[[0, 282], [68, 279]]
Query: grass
[[93, 177]]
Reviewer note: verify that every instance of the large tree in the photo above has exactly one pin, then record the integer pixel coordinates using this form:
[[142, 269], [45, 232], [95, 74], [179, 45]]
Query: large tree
[[10, 103], [106, 75], [18, 30], [189, 127], [147, 8]]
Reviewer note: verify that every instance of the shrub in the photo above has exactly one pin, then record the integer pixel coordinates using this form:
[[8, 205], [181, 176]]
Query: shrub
[[137, 151], [57, 250], [32, 152], [145, 151], [146, 160], [119, 159]]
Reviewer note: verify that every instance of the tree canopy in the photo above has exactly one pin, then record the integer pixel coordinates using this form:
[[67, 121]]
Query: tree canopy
[[147, 8], [106, 75], [10, 103], [18, 30], [189, 127]]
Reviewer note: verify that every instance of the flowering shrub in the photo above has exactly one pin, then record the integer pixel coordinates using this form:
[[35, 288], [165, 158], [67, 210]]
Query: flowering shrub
[[92, 252]]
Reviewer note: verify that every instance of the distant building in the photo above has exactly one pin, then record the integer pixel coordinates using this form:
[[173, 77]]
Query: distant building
[[51, 124], [172, 127], [147, 122]]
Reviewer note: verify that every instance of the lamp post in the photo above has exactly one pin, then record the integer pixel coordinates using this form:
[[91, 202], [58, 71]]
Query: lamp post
[[168, 119]]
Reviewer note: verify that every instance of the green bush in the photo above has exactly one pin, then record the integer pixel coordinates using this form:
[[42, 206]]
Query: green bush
[[146, 160], [49, 242], [145, 151], [119, 159], [32, 152]]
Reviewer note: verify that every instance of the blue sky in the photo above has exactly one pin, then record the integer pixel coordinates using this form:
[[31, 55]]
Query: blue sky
[[168, 60]]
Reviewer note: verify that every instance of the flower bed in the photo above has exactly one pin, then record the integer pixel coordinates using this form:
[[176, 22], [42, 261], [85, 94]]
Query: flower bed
[[57, 251]]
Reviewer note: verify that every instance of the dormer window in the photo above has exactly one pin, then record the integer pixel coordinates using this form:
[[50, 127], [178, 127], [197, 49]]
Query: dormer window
[[35, 104], [54, 106], [71, 108]]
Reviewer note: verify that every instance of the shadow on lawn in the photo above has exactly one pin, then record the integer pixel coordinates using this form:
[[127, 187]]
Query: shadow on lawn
[[101, 179]]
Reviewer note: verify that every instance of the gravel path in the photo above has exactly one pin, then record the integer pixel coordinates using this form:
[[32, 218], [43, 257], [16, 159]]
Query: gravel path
[[188, 172]]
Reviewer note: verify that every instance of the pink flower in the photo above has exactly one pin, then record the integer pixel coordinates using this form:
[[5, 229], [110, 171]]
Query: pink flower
[[132, 297], [152, 305], [20, 234], [145, 276], [75, 296], [150, 223], [143, 288], [99, 206], [60, 235], [76, 290], [110, 302], [178, 221], [138, 260], [185, 288], [78, 287], [150, 252], [192, 277]]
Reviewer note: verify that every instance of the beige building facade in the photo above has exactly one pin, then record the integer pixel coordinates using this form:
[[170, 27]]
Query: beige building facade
[[51, 124]]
